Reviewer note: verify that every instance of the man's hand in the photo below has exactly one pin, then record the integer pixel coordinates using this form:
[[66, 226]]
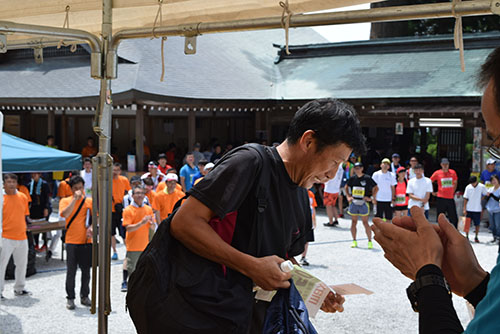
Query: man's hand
[[349, 199], [333, 303], [46, 212], [78, 195], [266, 273], [409, 250]]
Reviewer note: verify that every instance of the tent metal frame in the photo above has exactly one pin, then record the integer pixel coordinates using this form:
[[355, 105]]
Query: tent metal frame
[[104, 67]]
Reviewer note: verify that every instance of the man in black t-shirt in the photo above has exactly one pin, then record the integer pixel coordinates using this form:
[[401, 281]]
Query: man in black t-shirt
[[359, 188], [322, 135]]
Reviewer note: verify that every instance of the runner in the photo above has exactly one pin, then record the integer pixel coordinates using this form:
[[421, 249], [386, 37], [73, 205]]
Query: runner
[[446, 180], [395, 162], [419, 190], [384, 194], [411, 169], [488, 172], [154, 174], [401, 202], [166, 199], [359, 189], [493, 207], [188, 171], [310, 234], [473, 195], [120, 186], [330, 196]]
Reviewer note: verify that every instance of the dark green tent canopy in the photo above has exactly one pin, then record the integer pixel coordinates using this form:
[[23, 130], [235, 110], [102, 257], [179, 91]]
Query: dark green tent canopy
[[22, 156]]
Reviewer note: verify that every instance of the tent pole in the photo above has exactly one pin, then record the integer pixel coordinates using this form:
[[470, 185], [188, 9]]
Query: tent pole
[[102, 127]]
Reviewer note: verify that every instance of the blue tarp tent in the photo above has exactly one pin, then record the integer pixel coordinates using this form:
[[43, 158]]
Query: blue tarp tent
[[19, 155]]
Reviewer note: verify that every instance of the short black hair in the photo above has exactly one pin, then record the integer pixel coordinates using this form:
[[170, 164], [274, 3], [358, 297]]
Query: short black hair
[[50, 137], [332, 121], [172, 170], [148, 181], [137, 187], [491, 69], [189, 153], [117, 164], [87, 159], [11, 176], [473, 179], [75, 179], [203, 162], [495, 176]]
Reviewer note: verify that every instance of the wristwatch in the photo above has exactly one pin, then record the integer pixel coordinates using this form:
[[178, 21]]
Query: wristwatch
[[425, 280]]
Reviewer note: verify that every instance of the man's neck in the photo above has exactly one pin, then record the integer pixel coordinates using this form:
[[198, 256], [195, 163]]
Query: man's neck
[[138, 204], [419, 177], [288, 158], [10, 191]]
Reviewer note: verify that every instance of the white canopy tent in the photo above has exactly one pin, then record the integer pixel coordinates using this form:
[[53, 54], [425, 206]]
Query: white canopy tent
[[102, 24]]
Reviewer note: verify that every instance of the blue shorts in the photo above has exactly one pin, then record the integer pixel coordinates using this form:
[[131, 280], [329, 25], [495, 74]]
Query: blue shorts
[[475, 217], [359, 210]]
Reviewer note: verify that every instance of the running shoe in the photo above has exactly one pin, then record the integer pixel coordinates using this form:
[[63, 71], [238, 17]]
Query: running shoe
[[114, 257], [70, 304], [336, 223], [85, 301], [304, 262], [22, 293], [354, 244], [124, 286], [476, 240], [370, 245]]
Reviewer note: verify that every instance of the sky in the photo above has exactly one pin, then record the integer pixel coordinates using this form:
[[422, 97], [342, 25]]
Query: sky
[[346, 32]]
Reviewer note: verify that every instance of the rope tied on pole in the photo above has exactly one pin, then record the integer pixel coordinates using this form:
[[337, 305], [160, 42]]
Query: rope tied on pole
[[66, 25], [163, 39], [286, 15], [458, 37]]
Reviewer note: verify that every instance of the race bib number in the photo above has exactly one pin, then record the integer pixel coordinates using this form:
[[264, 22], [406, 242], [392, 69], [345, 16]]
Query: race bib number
[[358, 192], [400, 199], [488, 184], [447, 182]]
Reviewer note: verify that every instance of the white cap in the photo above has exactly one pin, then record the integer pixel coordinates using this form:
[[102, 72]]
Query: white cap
[[286, 266], [210, 165], [171, 176], [490, 161]]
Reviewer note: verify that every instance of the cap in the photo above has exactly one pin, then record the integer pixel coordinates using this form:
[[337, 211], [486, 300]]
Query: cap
[[490, 161], [445, 161], [152, 164], [352, 155], [386, 161], [197, 145], [172, 177], [400, 169], [395, 155], [210, 165], [358, 164], [162, 156]]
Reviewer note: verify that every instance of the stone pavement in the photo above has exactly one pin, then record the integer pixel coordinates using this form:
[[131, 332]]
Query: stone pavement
[[331, 258]]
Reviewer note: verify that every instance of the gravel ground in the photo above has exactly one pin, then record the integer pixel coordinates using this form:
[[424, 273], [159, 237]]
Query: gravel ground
[[331, 258]]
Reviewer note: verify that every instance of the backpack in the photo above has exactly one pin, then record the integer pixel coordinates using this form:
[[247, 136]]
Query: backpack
[[173, 290], [288, 314]]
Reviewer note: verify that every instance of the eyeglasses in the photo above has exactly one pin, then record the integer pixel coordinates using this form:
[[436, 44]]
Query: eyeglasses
[[493, 150]]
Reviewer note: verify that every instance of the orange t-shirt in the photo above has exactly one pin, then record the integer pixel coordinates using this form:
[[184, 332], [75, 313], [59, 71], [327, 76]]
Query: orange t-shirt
[[161, 186], [25, 191], [165, 202], [137, 240], [77, 232], [312, 200], [88, 151], [15, 210], [152, 199], [64, 190], [120, 187]]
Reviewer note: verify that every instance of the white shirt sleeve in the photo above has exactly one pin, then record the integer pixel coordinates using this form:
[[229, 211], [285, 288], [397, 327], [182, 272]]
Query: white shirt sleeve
[[429, 185], [409, 187], [467, 192]]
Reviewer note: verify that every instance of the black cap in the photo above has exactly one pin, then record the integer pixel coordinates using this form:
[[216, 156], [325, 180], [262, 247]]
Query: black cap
[[135, 178], [419, 166], [358, 164], [445, 161], [162, 156]]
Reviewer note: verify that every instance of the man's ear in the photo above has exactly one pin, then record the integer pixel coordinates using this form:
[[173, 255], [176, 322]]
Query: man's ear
[[307, 141]]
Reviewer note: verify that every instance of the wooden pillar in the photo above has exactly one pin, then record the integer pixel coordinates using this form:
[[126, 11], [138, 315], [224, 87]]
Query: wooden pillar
[[51, 123], [191, 129], [139, 136], [64, 126]]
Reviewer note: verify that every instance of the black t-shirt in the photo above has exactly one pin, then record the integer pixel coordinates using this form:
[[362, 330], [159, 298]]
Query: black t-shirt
[[231, 186], [360, 187]]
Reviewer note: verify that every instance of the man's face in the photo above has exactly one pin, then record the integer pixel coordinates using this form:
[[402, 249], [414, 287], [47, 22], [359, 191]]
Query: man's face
[[116, 171], [162, 162], [148, 187], [10, 184], [491, 113], [138, 196], [385, 167], [152, 170], [490, 167], [358, 171], [413, 162], [135, 184], [322, 166], [189, 159], [445, 167], [395, 160], [171, 185], [36, 176], [76, 187], [87, 166], [419, 172], [90, 142], [50, 142]]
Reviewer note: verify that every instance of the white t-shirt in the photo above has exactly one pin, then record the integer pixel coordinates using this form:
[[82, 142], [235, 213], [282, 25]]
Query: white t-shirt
[[419, 188], [473, 196], [87, 177], [333, 186], [384, 182]]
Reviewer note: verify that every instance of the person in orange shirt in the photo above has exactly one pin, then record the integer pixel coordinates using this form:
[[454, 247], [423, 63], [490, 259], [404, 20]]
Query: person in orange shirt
[[24, 190], [121, 186], [138, 220], [77, 211], [310, 234], [90, 150], [64, 190], [150, 193], [14, 240], [166, 199], [161, 186]]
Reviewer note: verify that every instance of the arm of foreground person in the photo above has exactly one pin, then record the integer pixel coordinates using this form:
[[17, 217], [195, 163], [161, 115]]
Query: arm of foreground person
[[190, 226]]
